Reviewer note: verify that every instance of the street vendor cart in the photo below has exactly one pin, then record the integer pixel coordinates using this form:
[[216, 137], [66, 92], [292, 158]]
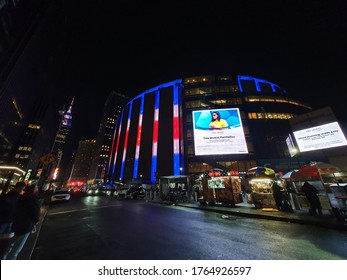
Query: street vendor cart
[[224, 190], [338, 200], [260, 181]]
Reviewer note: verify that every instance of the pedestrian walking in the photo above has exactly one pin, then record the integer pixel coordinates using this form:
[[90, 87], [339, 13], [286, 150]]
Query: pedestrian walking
[[8, 206], [277, 192], [311, 194], [26, 217]]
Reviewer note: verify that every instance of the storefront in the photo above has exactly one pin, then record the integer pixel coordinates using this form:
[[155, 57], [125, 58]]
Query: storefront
[[10, 175]]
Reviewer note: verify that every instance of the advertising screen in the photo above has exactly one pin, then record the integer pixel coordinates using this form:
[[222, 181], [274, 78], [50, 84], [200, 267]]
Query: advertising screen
[[320, 137], [218, 132]]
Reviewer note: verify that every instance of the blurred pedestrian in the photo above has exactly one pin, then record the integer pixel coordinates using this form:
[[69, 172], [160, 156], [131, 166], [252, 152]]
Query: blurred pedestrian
[[8, 206], [26, 217], [243, 190], [277, 192], [152, 191], [311, 194]]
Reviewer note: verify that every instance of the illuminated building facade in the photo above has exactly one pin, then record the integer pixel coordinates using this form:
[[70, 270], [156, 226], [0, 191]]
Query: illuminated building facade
[[82, 163], [265, 110], [143, 146], [26, 153], [156, 134]]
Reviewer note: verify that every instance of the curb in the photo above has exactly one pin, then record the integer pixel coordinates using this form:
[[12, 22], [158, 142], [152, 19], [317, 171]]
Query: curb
[[337, 225]]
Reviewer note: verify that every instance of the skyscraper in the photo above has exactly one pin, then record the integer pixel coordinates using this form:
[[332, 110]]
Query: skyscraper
[[60, 139], [18, 92], [112, 108], [84, 155]]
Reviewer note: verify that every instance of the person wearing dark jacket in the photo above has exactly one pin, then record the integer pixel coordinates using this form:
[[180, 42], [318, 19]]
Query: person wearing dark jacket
[[312, 197], [277, 192], [27, 215], [8, 206]]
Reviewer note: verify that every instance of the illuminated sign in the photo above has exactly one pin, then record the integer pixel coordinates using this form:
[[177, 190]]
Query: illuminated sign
[[218, 132], [67, 118], [291, 147], [320, 137], [215, 172], [216, 183]]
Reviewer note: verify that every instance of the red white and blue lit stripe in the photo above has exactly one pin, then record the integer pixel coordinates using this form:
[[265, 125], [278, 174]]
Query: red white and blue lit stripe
[[138, 139], [155, 136], [118, 139], [126, 141], [176, 132]]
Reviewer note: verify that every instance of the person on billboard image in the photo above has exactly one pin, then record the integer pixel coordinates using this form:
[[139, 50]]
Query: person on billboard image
[[217, 122]]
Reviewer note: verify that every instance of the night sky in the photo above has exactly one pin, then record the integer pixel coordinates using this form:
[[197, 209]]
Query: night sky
[[132, 46]]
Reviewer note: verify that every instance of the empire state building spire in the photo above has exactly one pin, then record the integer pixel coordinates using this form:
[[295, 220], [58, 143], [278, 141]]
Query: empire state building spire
[[70, 107], [60, 139], [67, 115]]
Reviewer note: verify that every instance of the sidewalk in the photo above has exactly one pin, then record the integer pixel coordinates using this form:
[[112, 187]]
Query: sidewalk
[[326, 220], [29, 246]]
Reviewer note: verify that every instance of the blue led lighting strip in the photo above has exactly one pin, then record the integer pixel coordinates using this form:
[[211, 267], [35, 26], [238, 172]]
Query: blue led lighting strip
[[181, 128], [256, 81], [176, 132]]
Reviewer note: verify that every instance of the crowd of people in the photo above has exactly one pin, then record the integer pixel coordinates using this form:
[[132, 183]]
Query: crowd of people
[[19, 214]]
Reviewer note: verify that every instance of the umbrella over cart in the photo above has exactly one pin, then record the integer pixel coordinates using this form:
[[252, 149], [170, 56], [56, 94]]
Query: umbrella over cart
[[296, 176], [261, 171], [317, 169]]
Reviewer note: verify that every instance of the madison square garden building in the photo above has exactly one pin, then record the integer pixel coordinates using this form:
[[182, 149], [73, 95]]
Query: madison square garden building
[[168, 130]]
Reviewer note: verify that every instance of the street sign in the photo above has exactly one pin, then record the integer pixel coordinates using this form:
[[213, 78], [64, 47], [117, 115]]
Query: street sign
[[47, 159]]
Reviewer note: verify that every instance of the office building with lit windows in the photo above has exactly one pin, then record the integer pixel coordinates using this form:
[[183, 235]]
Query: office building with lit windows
[[111, 111], [82, 162], [168, 130]]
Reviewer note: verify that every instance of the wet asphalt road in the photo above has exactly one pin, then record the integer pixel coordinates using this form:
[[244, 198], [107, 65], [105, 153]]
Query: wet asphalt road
[[105, 228]]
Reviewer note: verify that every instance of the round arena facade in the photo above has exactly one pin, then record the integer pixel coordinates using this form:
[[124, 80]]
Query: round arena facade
[[169, 129]]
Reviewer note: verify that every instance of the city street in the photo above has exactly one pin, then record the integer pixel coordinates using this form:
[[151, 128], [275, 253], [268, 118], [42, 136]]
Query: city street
[[106, 228]]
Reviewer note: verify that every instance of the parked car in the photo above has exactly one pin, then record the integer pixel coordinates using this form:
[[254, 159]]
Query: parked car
[[61, 195], [135, 192]]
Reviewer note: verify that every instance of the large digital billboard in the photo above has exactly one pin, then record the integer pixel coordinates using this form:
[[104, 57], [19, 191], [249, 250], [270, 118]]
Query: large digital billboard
[[218, 132], [320, 137]]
